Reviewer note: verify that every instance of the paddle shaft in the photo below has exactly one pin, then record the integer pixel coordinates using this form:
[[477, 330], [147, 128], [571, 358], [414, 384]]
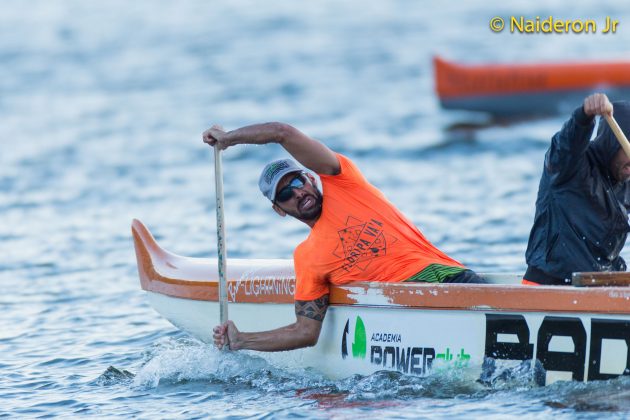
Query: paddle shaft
[[621, 138], [222, 255], [601, 279]]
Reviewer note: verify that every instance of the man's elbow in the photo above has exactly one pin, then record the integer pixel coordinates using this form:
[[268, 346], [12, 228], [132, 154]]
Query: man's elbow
[[311, 341], [282, 131], [310, 337]]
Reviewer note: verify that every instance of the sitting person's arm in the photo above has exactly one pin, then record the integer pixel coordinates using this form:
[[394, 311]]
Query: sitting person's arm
[[570, 143], [304, 332]]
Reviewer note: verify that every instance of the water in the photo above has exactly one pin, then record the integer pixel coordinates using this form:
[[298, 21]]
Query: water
[[101, 109]]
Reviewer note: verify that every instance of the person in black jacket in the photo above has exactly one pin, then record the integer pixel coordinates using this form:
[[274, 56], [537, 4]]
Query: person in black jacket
[[581, 220]]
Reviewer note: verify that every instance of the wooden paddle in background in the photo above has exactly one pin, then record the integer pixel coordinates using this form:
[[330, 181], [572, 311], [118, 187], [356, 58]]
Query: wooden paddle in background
[[621, 138], [222, 254]]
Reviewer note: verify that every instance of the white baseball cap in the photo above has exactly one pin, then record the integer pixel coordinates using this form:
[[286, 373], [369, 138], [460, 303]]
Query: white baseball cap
[[273, 173]]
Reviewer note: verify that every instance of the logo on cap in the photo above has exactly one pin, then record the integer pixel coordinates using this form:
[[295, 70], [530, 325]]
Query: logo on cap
[[274, 169]]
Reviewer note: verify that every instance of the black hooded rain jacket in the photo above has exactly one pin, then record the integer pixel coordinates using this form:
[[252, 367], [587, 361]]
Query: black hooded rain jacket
[[581, 220]]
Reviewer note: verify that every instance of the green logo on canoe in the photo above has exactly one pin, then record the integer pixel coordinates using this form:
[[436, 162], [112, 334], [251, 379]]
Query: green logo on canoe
[[359, 347]]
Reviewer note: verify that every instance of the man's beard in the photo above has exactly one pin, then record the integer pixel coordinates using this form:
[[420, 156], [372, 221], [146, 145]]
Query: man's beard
[[311, 214]]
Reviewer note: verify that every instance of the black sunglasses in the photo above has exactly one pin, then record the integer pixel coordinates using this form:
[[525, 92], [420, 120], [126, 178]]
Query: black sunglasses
[[286, 192]]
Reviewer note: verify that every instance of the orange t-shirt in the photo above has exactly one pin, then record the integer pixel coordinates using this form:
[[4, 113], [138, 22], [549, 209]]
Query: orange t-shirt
[[360, 236]]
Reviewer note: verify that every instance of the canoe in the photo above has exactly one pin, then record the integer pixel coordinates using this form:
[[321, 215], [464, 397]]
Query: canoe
[[524, 89], [575, 333]]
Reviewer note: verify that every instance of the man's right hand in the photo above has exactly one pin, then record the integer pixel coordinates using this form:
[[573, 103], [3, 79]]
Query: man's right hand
[[216, 135], [597, 104], [225, 335]]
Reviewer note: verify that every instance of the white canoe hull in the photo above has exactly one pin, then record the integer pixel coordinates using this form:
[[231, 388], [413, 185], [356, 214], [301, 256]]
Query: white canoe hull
[[416, 341]]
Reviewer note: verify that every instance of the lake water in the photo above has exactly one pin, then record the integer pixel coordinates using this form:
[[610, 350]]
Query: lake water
[[102, 105]]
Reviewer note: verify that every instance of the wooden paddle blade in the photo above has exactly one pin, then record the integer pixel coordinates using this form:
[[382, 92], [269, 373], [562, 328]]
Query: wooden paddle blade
[[601, 279]]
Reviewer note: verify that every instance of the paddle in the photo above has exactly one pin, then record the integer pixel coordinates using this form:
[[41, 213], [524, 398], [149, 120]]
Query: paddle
[[601, 279], [222, 256], [621, 138]]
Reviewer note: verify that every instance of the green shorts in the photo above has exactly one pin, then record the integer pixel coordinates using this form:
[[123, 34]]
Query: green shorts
[[436, 273]]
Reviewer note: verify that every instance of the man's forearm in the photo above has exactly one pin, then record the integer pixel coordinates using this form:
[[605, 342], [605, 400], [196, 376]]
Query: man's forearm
[[569, 144], [304, 332], [272, 132], [309, 152], [286, 338]]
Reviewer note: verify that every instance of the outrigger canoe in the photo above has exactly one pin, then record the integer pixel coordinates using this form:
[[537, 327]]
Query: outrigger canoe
[[522, 89], [576, 333]]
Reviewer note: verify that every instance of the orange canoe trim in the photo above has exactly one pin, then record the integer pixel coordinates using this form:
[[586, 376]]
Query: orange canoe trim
[[192, 278]]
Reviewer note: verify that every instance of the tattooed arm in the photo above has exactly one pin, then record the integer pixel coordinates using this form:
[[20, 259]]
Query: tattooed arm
[[304, 332]]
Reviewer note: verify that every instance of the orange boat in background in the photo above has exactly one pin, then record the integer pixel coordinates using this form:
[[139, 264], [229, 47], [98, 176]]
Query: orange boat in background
[[521, 89]]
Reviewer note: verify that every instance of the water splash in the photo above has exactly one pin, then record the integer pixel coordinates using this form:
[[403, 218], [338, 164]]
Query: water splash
[[114, 376], [177, 360], [506, 374], [186, 359]]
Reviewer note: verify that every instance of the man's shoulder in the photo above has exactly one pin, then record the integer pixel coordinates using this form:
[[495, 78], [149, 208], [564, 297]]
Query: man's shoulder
[[349, 173], [302, 248]]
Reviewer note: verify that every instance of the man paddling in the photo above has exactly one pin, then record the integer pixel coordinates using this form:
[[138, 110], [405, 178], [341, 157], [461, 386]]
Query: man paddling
[[581, 220], [356, 233]]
